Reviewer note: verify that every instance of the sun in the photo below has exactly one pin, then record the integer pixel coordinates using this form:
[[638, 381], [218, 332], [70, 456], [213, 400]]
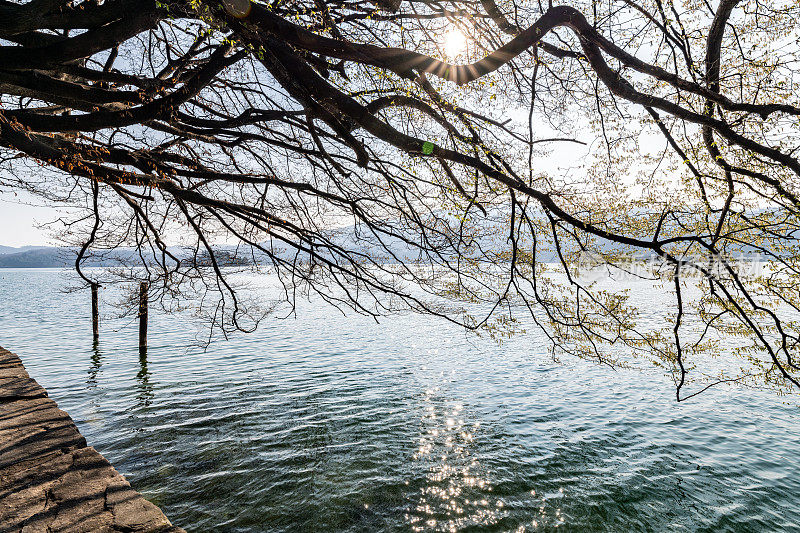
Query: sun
[[454, 43]]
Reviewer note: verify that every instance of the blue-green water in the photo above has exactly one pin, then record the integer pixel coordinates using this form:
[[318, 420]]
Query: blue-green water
[[332, 423]]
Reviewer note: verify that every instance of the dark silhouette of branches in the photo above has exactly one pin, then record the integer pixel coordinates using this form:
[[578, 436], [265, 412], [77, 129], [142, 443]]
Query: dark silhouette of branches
[[336, 146]]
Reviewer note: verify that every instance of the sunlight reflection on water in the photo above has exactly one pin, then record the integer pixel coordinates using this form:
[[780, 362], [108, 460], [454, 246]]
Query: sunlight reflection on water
[[331, 423]]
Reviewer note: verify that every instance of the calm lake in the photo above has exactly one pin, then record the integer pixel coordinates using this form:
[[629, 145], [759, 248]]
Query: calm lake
[[332, 423]]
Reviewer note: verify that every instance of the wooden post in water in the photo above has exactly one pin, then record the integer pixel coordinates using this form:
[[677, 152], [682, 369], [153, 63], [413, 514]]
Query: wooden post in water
[[95, 313], [143, 290]]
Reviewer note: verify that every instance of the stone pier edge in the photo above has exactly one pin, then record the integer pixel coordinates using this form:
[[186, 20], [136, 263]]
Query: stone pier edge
[[51, 481]]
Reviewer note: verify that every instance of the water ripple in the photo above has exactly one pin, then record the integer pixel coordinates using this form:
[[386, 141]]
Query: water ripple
[[331, 423]]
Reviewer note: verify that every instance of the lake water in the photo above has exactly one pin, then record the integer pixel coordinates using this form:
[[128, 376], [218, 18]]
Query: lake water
[[331, 423]]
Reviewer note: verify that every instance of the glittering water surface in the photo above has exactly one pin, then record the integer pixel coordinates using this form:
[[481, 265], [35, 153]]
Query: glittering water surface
[[332, 423]]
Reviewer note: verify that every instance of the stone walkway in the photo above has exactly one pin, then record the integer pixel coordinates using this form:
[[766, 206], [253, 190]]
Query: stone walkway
[[50, 480]]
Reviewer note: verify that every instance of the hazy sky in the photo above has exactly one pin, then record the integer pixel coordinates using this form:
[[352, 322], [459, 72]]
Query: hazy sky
[[19, 216]]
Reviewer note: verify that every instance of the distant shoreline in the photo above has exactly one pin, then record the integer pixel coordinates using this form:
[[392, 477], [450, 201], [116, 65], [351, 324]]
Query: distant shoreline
[[63, 257]]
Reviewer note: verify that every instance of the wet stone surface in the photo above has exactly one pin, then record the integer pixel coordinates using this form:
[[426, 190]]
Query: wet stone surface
[[50, 480]]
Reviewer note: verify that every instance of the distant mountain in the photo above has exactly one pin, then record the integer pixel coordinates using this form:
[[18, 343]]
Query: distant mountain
[[38, 257], [51, 257], [15, 250], [54, 257]]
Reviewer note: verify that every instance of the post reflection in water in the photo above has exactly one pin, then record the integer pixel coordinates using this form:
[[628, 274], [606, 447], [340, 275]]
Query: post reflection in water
[[145, 389], [96, 363]]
